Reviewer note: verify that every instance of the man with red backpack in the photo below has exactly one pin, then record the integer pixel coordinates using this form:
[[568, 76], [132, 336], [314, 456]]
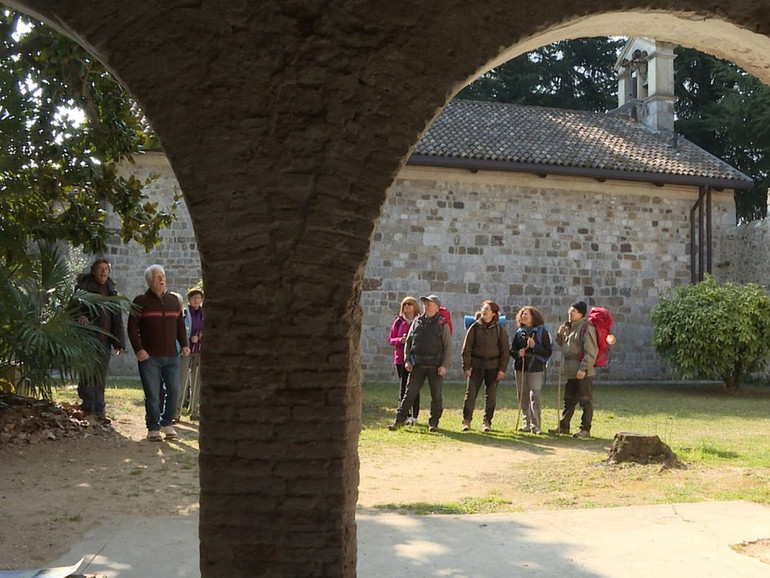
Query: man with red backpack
[[577, 339], [427, 354]]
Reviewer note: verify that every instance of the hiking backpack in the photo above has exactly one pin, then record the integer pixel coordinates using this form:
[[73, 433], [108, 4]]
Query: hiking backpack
[[444, 312], [601, 319], [469, 320]]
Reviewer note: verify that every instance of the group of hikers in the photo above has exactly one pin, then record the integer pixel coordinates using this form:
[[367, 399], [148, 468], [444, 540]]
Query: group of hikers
[[166, 337], [423, 350]]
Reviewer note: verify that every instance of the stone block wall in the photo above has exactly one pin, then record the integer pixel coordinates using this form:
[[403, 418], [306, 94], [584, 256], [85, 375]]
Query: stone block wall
[[517, 239], [745, 257], [520, 239]]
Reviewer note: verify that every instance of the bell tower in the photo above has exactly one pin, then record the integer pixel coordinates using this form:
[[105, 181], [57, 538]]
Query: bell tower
[[645, 72]]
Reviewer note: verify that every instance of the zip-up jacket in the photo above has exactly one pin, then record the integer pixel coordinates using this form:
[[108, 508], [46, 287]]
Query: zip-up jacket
[[486, 346], [578, 340], [429, 342], [111, 321], [536, 357], [157, 325]]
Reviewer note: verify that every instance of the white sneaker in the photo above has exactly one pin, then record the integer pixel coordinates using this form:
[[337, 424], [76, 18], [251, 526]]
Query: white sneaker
[[169, 432]]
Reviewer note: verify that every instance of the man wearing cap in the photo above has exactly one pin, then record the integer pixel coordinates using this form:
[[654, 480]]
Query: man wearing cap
[[427, 354], [577, 339]]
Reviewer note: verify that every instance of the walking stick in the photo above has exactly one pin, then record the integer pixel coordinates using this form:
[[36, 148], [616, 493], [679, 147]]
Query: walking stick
[[558, 396], [520, 390], [518, 398]]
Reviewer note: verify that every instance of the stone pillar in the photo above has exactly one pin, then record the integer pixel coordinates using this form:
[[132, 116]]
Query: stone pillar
[[285, 122]]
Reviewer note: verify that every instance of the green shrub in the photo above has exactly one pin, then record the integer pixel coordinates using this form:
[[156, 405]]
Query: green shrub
[[708, 330]]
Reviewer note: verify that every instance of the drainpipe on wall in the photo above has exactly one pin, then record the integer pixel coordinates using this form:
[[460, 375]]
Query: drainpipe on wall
[[700, 253]]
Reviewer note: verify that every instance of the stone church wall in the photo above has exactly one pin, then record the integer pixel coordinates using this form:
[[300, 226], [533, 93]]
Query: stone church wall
[[521, 239], [514, 238]]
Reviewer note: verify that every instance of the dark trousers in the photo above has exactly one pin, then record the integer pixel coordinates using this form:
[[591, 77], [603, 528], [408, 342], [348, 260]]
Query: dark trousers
[[413, 387], [403, 377], [578, 391], [476, 378], [91, 390]]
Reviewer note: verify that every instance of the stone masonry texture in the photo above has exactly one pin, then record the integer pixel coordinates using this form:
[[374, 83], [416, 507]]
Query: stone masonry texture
[[285, 123]]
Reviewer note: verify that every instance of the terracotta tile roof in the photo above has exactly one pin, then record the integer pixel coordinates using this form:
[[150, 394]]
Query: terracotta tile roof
[[535, 139]]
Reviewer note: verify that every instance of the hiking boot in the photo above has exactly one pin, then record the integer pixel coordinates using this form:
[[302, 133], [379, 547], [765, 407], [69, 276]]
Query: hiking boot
[[558, 431], [154, 436], [396, 425], [466, 425], [169, 432], [433, 428], [487, 427], [103, 418], [582, 434], [525, 429]]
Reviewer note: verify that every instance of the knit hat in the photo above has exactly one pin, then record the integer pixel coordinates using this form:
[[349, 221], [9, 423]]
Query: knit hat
[[581, 307]]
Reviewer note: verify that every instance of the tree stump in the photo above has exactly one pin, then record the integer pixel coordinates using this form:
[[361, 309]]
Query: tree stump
[[642, 449]]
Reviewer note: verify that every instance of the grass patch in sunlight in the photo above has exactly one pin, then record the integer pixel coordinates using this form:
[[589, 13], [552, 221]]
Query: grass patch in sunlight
[[465, 506]]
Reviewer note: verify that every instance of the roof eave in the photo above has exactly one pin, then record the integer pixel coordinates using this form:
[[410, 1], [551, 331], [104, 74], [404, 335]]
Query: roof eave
[[593, 173]]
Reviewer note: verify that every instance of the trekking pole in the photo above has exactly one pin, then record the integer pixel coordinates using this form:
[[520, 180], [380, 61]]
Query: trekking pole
[[558, 395], [520, 390], [518, 397]]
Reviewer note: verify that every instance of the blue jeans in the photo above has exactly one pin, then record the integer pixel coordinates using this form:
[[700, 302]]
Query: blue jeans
[[155, 372]]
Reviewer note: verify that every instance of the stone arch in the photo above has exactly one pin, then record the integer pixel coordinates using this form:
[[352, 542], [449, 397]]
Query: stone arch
[[285, 123]]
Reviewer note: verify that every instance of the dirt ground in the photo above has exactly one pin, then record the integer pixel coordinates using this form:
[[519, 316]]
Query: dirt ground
[[52, 492]]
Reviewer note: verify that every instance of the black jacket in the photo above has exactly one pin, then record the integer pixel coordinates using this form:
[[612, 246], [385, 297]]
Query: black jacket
[[117, 337]]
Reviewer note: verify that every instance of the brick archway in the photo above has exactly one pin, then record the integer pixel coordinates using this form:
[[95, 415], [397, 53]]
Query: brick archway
[[285, 124]]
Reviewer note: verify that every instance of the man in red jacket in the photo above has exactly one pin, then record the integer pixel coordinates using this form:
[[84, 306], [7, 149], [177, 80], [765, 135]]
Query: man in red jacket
[[153, 329]]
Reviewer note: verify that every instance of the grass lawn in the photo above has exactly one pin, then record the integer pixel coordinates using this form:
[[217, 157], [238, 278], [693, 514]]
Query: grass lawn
[[723, 440]]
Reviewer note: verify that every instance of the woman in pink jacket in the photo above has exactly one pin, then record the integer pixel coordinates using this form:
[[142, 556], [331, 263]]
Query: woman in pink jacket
[[409, 310]]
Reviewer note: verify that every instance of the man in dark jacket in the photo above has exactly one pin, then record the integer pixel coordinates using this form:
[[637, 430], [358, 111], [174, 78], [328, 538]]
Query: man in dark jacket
[[154, 328], [427, 354], [112, 335]]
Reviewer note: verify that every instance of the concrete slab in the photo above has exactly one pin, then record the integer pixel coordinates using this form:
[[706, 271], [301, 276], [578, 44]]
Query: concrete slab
[[663, 540]]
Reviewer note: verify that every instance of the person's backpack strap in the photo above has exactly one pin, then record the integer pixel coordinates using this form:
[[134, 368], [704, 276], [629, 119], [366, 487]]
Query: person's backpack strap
[[540, 331]]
